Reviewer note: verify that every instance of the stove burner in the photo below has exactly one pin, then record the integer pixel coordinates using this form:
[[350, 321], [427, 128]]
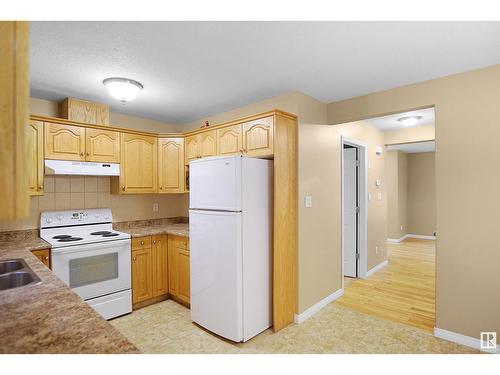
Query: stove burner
[[110, 234], [70, 239], [102, 232], [61, 236]]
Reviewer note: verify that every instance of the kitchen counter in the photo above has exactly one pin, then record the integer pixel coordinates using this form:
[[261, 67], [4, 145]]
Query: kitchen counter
[[153, 227], [50, 317]]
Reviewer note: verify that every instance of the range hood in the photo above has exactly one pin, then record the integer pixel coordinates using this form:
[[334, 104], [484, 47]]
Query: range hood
[[82, 168]]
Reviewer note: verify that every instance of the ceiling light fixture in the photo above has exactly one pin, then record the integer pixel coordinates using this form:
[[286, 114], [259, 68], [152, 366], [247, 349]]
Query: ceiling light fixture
[[123, 89], [409, 120]]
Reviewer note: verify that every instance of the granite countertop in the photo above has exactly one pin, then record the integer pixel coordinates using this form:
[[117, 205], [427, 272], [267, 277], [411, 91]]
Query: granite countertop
[[155, 228], [50, 317]]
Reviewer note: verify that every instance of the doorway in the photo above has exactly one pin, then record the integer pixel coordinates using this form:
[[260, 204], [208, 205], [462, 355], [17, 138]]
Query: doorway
[[354, 207]]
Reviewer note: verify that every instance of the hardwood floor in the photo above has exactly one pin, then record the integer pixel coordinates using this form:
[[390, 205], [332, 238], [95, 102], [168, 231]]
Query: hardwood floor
[[403, 291]]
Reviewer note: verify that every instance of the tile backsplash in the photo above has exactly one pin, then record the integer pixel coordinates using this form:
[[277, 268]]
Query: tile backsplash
[[77, 192]]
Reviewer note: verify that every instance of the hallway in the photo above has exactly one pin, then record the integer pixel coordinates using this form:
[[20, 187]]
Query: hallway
[[403, 291]]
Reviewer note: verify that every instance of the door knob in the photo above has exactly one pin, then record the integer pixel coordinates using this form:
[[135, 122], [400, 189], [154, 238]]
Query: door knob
[[123, 188]]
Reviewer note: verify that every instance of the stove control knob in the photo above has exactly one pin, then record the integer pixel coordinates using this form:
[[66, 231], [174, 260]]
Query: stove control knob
[[59, 217], [48, 220]]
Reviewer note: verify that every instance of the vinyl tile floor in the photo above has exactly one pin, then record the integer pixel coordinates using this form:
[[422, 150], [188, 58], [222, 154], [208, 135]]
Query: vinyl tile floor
[[166, 327]]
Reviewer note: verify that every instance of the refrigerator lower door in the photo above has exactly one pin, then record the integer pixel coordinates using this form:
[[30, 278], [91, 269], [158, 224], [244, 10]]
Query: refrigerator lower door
[[216, 272]]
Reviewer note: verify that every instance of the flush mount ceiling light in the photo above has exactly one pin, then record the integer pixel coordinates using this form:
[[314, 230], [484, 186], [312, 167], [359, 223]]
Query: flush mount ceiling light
[[409, 120], [123, 89]]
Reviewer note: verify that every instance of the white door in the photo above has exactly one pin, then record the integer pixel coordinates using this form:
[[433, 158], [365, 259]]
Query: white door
[[349, 234], [216, 272], [215, 183]]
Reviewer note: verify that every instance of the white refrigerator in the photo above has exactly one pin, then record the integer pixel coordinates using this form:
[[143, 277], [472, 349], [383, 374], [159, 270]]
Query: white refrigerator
[[230, 234]]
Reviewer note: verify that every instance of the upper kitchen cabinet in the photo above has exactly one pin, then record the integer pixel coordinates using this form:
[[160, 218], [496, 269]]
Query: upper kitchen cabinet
[[229, 140], [171, 165], [258, 137], [139, 160], [102, 145], [208, 143], [64, 142], [201, 145], [192, 146], [34, 142], [83, 111]]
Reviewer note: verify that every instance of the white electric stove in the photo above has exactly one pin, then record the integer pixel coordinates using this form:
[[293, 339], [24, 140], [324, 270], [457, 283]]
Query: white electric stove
[[91, 257]]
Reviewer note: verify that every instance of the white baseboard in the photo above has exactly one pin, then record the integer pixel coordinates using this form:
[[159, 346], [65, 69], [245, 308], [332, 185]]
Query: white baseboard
[[377, 268], [300, 318], [457, 338], [422, 237], [397, 240]]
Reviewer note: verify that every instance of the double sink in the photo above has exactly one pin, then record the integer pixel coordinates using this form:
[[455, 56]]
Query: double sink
[[15, 273]]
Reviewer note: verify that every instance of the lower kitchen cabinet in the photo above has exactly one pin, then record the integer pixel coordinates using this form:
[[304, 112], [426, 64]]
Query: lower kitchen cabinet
[[43, 255], [160, 265], [178, 268], [142, 274]]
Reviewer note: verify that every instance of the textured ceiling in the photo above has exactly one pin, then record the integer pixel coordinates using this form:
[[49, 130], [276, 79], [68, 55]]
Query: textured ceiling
[[388, 123], [195, 69]]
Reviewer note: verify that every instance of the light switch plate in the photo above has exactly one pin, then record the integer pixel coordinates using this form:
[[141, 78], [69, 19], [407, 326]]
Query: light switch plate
[[309, 201], [155, 207]]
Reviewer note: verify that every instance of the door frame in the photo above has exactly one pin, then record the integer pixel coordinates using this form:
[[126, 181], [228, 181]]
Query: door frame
[[363, 204]]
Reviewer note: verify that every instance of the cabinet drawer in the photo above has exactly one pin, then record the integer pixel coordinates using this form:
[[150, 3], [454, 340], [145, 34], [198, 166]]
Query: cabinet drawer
[[139, 243]]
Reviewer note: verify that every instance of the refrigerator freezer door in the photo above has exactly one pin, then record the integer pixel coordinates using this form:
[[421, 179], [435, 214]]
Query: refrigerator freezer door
[[216, 272], [215, 184]]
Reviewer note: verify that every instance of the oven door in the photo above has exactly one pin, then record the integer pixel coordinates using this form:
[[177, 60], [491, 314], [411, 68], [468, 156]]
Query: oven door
[[95, 269]]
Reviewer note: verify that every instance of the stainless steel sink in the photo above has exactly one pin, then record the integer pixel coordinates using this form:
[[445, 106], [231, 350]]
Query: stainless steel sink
[[10, 266], [15, 273]]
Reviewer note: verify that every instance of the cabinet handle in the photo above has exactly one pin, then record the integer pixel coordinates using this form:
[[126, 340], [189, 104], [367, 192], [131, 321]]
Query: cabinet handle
[[123, 188], [88, 153], [154, 242], [82, 154], [134, 259], [46, 257], [40, 187], [161, 187], [142, 242]]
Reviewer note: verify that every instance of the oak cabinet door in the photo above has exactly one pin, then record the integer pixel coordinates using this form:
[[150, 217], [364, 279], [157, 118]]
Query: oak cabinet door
[[171, 165], [183, 275], [258, 137], [229, 140], [34, 138], [139, 157], [160, 265], [192, 146], [208, 143], [102, 145], [142, 275], [43, 255], [64, 142]]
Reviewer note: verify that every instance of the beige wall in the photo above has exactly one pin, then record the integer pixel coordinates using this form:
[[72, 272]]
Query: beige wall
[[467, 179], [76, 192], [415, 134], [421, 194], [50, 108], [397, 187]]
